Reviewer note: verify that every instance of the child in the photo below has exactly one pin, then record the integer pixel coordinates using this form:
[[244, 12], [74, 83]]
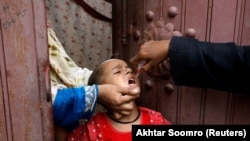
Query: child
[[104, 125]]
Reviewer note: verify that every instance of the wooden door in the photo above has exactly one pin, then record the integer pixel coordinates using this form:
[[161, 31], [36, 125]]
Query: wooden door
[[25, 107], [209, 20]]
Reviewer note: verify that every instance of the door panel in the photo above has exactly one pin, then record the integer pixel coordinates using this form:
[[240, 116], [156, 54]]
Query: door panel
[[3, 121], [244, 27], [25, 107], [208, 20]]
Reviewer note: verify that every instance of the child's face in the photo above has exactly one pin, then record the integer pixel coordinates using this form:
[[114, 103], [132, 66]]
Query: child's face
[[116, 71]]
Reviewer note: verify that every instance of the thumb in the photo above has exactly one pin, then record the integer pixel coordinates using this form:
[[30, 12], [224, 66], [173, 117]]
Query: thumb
[[123, 90], [136, 59], [126, 91]]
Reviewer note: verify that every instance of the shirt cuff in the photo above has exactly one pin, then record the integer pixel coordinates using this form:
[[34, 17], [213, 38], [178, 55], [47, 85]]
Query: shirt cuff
[[91, 96]]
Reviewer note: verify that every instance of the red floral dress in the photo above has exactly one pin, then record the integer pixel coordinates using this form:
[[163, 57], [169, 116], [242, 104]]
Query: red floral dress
[[99, 128]]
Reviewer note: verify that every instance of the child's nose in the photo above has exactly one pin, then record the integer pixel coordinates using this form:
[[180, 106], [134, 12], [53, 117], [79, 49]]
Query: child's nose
[[129, 70]]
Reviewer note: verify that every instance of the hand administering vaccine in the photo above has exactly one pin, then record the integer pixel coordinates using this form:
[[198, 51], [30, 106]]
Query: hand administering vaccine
[[139, 68]]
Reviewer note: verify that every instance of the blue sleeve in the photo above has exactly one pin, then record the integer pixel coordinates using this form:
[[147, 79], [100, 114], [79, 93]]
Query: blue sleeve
[[73, 104]]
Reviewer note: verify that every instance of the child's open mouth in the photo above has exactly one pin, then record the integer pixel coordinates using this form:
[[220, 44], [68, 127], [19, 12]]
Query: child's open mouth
[[132, 82]]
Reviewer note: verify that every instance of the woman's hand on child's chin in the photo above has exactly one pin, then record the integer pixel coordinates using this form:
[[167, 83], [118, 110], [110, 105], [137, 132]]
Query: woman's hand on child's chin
[[135, 91]]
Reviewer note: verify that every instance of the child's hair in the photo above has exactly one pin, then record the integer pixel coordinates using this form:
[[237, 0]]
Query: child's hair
[[95, 76]]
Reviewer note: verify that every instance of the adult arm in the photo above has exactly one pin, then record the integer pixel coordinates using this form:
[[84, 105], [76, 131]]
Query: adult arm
[[223, 66], [72, 104]]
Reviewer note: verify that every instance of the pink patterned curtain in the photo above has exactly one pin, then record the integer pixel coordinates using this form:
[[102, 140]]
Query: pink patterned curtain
[[84, 28]]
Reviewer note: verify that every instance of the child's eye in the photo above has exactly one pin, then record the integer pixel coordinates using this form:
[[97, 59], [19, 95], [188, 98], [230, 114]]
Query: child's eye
[[117, 72]]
